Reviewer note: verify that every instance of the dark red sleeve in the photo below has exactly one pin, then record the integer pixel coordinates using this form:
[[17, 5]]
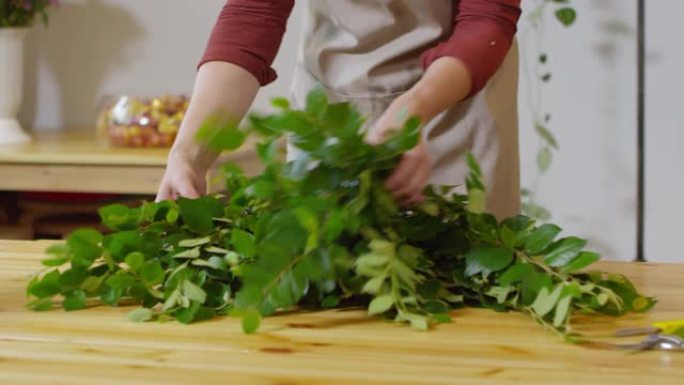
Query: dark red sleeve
[[482, 35], [248, 33]]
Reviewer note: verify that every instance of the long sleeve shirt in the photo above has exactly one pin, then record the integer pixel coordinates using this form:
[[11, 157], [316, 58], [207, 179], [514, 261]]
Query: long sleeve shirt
[[248, 33]]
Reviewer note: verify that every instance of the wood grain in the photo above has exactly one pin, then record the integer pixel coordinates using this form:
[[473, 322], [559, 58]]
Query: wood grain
[[327, 347]]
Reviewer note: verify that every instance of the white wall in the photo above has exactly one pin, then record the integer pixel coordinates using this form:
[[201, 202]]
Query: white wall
[[96, 48], [591, 188], [99, 47]]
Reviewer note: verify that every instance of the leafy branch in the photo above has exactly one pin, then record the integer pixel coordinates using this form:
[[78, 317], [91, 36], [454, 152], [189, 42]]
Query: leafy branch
[[321, 231]]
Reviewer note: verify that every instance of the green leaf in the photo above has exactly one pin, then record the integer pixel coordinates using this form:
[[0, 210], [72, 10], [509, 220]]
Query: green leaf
[[152, 272], [564, 251], [243, 242], [516, 273], [403, 140], [261, 189], [430, 288], [566, 16], [121, 280], [194, 292], [373, 285], [221, 134], [532, 285], [418, 322], [487, 260], [111, 296], [546, 300], [334, 226], [172, 300], [119, 217], [214, 262], [85, 246], [74, 300], [642, 304], [380, 304], [541, 238], [268, 151], [583, 260], [135, 260], [188, 313], [188, 254], [43, 304], [562, 311], [544, 159], [92, 284], [197, 214], [473, 165], [436, 307], [477, 201], [316, 102], [194, 242], [442, 318], [140, 315], [546, 135], [172, 216], [251, 321], [47, 286], [515, 231], [61, 255], [120, 244], [72, 278], [330, 301], [281, 103]]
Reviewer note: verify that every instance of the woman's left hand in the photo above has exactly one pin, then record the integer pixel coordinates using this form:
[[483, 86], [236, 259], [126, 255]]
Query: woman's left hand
[[446, 82], [412, 174]]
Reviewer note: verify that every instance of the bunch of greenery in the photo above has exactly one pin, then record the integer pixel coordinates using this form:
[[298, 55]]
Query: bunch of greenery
[[21, 13], [321, 231]]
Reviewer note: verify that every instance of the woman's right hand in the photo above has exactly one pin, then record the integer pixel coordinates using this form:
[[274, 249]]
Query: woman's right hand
[[220, 88], [182, 178]]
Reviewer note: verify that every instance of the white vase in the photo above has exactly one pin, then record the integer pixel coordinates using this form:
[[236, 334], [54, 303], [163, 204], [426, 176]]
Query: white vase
[[11, 84]]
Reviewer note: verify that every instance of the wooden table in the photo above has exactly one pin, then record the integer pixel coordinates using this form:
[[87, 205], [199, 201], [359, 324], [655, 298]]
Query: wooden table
[[81, 162], [98, 346]]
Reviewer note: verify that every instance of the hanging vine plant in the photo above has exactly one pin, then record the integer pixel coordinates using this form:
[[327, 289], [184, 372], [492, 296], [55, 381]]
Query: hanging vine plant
[[536, 74]]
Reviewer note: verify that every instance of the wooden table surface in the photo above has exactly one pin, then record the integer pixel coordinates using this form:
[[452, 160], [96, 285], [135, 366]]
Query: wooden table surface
[[98, 346], [83, 162]]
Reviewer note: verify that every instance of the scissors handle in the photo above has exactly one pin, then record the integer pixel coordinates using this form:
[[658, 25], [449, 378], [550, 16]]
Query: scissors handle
[[675, 327]]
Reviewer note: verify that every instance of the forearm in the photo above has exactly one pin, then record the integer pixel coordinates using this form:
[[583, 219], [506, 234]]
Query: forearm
[[445, 83], [223, 89]]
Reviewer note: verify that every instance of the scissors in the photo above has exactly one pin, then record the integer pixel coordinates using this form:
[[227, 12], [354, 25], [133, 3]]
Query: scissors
[[666, 335]]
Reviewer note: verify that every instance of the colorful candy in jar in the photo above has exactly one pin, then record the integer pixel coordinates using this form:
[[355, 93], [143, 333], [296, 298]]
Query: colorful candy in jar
[[143, 122]]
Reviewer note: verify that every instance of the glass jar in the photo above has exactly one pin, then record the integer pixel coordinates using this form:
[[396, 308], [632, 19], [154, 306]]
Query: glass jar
[[142, 122]]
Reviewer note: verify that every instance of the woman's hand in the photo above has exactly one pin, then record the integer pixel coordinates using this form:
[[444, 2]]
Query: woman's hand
[[189, 160], [182, 178], [445, 83], [412, 174]]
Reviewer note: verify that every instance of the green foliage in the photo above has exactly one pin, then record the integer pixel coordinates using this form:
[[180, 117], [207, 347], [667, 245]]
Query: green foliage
[[322, 231], [21, 13]]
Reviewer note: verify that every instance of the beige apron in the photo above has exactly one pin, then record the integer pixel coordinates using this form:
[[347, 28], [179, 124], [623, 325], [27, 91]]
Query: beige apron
[[368, 53]]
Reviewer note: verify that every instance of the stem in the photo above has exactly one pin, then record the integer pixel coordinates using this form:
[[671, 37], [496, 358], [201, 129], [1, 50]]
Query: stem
[[544, 267], [282, 272], [541, 320]]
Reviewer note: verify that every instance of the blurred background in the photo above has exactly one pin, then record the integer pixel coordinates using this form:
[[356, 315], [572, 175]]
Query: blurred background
[[95, 48]]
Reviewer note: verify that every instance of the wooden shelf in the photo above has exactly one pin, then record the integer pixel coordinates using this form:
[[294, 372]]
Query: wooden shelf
[[82, 162]]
